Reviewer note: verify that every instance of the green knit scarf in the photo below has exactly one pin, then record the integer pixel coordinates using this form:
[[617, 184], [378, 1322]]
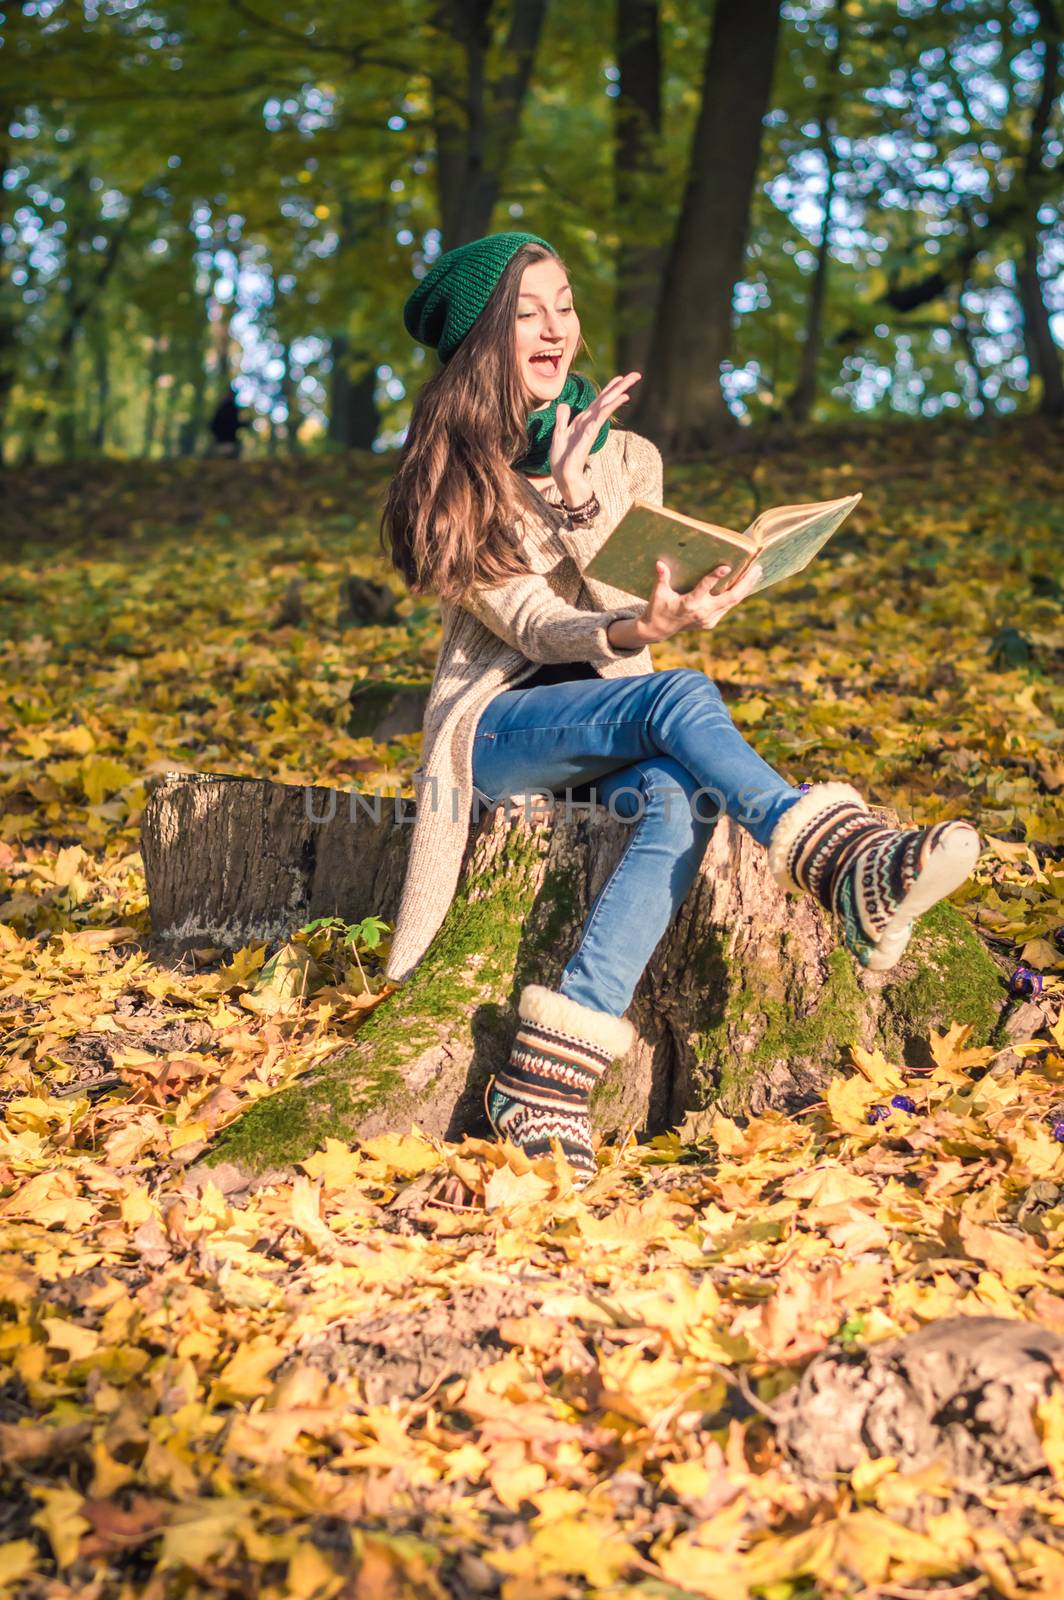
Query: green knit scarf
[[577, 393]]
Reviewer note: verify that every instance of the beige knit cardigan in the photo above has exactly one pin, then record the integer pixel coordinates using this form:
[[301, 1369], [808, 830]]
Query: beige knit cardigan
[[491, 640]]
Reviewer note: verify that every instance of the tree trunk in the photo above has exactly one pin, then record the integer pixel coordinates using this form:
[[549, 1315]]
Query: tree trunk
[[8, 318], [803, 398], [962, 324], [1043, 353], [749, 1001], [680, 403], [169, 417], [353, 414], [288, 393], [194, 429], [101, 362], [151, 408], [477, 118], [637, 168]]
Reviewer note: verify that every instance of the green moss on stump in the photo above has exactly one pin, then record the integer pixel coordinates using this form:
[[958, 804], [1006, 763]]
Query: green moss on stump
[[560, 903], [473, 953], [819, 1037], [951, 978], [289, 1126], [955, 981]]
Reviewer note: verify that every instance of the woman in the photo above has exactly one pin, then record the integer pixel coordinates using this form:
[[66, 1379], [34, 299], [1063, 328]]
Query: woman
[[509, 481]]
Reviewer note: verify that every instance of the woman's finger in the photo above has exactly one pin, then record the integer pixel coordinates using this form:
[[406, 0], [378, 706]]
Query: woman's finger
[[749, 579], [622, 378], [595, 414], [612, 391], [703, 587]]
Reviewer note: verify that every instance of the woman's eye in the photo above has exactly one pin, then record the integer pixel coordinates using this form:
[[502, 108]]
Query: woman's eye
[[567, 311]]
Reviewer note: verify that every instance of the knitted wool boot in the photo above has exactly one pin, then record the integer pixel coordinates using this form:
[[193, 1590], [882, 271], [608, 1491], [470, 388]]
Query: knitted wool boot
[[561, 1050], [875, 879]]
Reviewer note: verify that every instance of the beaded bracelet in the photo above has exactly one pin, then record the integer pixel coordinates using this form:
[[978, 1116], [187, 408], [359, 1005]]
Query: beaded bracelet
[[580, 516]]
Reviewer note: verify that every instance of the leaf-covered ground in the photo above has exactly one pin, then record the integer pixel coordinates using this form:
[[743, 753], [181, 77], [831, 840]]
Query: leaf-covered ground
[[318, 1386]]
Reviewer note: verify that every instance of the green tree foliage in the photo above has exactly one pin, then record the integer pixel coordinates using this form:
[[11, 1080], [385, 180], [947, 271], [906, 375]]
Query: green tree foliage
[[193, 192]]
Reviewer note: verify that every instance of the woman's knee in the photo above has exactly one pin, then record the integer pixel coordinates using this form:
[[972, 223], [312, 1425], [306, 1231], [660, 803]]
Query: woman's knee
[[667, 792], [681, 690], [680, 682]]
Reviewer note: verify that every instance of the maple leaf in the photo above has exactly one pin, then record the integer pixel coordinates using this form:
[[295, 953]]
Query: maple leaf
[[18, 1559], [246, 1374], [61, 1519], [951, 1058], [507, 1188], [336, 1165], [408, 1154], [877, 1069]]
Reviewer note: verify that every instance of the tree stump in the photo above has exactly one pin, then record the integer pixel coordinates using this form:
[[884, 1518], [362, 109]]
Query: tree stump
[[366, 604], [749, 1000], [383, 710], [961, 1391]]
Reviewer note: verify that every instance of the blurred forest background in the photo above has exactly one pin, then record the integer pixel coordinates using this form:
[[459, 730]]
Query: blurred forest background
[[792, 211]]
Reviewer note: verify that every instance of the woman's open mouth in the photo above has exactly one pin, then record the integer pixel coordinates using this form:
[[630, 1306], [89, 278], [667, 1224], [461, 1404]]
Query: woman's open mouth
[[546, 364]]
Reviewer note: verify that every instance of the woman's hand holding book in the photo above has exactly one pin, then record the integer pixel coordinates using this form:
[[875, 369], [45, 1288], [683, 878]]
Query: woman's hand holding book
[[668, 612]]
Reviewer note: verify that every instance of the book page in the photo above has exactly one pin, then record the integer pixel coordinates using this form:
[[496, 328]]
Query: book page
[[646, 534], [779, 521], [797, 537]]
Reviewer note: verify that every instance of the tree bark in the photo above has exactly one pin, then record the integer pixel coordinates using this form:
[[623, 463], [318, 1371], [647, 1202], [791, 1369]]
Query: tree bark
[[638, 168], [353, 414], [8, 319], [288, 393], [748, 1002], [803, 397], [151, 406], [680, 403], [1043, 354], [477, 118], [101, 362], [960, 1392]]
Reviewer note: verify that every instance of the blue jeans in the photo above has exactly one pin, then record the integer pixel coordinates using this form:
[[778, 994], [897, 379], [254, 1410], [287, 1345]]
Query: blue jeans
[[660, 750]]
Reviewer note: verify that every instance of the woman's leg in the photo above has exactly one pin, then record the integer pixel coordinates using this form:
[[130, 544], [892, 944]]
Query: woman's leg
[[562, 735], [663, 749], [648, 884], [566, 1037], [876, 880]]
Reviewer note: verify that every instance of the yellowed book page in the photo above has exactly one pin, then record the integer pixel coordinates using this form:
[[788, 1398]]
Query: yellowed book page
[[779, 521], [647, 534], [790, 537]]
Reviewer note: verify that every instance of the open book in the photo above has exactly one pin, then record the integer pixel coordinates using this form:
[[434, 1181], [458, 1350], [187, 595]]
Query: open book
[[784, 540]]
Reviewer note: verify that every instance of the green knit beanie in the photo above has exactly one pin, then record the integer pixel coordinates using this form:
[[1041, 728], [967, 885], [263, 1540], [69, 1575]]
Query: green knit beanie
[[457, 287]]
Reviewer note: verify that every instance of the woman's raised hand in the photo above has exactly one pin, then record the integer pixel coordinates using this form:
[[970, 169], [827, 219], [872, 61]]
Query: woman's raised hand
[[668, 612], [572, 439]]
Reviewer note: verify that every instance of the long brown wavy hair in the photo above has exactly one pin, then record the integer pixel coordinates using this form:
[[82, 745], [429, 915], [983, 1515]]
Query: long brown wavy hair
[[450, 511]]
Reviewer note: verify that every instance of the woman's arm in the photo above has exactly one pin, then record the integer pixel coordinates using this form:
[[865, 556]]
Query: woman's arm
[[532, 619], [644, 473]]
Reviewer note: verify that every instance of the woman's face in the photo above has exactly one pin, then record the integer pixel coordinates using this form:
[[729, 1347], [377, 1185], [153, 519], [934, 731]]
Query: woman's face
[[546, 324]]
